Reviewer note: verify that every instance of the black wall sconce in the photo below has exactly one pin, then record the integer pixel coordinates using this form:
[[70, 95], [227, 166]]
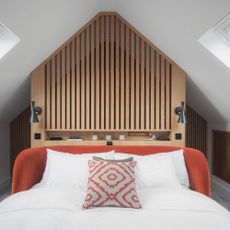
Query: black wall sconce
[[35, 111], [180, 111]]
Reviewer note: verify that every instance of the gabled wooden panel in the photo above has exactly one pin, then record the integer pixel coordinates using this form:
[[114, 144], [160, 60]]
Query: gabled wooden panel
[[115, 56], [109, 77]]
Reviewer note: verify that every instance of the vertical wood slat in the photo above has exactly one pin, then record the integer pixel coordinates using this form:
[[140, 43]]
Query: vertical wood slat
[[102, 83], [58, 92], [87, 80], [73, 85], [93, 75], [97, 74], [78, 112], [82, 76], [142, 84], [107, 74], [68, 86], [157, 94], [162, 122], [132, 54], [63, 96], [148, 89], [152, 92], [167, 99], [112, 72], [122, 77], [47, 97], [127, 74], [138, 102], [53, 94], [117, 108]]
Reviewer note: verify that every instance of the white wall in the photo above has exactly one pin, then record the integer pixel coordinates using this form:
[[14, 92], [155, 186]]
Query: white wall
[[4, 156]]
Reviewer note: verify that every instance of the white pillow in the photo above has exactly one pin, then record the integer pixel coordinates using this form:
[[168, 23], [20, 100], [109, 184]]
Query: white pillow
[[177, 158], [65, 170], [156, 173]]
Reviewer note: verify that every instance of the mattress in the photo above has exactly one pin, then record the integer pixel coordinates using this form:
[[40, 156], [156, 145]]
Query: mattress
[[61, 209]]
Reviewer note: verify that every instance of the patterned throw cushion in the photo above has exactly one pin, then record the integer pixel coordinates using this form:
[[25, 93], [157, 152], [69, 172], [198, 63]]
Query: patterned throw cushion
[[111, 184]]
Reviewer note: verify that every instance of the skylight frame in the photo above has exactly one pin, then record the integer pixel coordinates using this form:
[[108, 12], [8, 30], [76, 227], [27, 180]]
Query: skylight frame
[[8, 40]]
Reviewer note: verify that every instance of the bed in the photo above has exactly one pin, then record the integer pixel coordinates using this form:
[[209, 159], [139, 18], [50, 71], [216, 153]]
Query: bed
[[35, 207]]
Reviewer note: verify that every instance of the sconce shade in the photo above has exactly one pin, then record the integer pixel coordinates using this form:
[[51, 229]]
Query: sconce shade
[[35, 111], [180, 111], [182, 118]]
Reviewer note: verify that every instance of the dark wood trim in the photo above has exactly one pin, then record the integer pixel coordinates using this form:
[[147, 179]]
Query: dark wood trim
[[19, 135], [196, 130], [221, 154]]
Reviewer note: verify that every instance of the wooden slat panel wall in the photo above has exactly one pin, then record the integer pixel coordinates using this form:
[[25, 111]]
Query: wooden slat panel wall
[[20, 132], [196, 130], [108, 77]]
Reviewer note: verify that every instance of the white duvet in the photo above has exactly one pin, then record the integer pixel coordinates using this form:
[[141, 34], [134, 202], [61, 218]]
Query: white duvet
[[41, 209]]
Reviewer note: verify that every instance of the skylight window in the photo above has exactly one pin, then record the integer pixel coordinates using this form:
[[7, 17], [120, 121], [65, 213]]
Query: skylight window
[[7, 40], [217, 40]]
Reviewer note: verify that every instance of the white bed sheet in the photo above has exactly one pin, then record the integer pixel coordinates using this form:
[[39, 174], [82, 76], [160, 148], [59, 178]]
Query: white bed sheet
[[163, 209]]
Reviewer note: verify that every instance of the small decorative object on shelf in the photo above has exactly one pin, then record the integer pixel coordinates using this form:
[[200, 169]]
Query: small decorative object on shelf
[[108, 137], [162, 136], [152, 137], [121, 137], [74, 138], [94, 137], [56, 138], [138, 134]]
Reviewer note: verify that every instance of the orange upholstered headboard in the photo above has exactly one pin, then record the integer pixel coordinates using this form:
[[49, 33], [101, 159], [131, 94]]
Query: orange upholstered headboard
[[30, 164]]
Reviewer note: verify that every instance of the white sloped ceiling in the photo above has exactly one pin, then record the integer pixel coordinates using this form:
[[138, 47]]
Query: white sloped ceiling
[[173, 26], [42, 26]]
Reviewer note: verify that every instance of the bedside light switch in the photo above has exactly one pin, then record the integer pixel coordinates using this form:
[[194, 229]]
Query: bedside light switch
[[109, 143], [37, 136], [178, 136]]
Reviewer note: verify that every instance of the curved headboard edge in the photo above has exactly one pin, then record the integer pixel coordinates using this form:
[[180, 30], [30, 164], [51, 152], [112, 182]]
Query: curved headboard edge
[[30, 163]]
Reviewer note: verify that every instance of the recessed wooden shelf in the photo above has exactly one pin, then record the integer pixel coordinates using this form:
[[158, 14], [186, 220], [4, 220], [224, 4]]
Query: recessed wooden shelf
[[103, 142], [106, 130], [142, 142], [74, 142]]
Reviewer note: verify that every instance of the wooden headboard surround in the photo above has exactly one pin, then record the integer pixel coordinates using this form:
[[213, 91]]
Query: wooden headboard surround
[[108, 79]]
